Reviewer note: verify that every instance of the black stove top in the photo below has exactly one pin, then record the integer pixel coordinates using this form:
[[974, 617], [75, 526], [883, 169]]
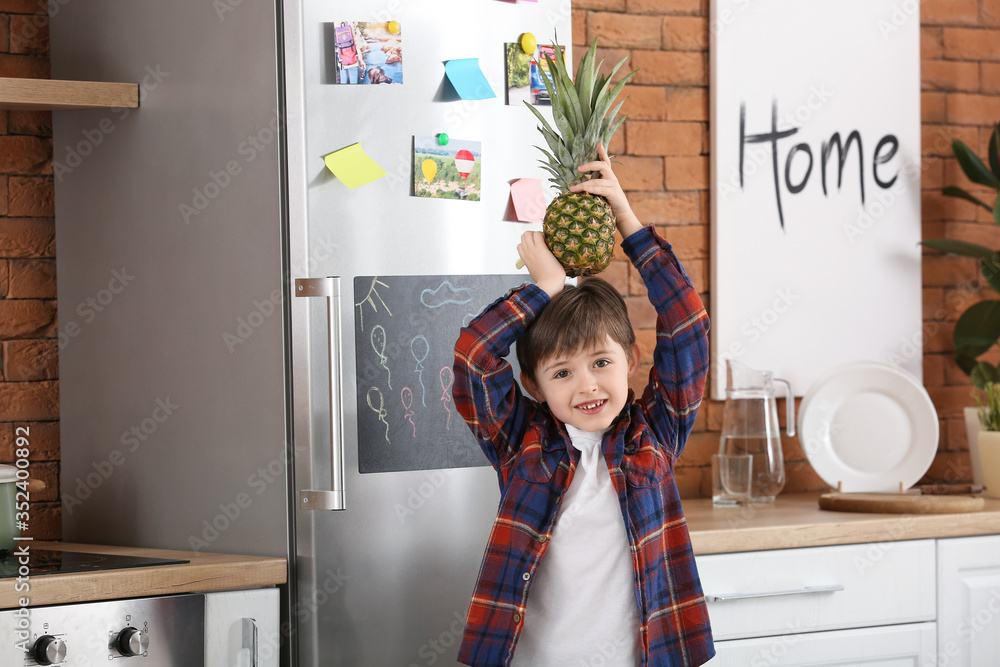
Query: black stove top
[[45, 561]]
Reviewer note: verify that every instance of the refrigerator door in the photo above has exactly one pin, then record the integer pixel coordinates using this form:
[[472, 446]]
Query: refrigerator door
[[387, 580]]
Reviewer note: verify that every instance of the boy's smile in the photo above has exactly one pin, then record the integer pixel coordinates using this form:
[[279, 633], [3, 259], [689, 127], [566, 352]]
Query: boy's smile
[[588, 388]]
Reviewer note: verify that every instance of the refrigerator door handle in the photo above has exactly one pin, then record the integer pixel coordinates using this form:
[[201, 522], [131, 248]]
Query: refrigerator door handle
[[250, 639], [334, 498]]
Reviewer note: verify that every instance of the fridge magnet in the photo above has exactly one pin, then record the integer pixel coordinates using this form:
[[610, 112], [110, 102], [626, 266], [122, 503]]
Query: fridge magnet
[[468, 79], [525, 72], [447, 172], [366, 51], [353, 166], [528, 200]]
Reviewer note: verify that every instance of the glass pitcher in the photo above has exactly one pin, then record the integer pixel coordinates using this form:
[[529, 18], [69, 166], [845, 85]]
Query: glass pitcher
[[750, 426]]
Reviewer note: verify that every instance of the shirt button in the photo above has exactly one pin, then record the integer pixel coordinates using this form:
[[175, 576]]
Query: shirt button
[[517, 618], [543, 539], [526, 576]]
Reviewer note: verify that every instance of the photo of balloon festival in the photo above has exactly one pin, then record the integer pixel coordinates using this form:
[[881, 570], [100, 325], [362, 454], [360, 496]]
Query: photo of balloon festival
[[446, 168]]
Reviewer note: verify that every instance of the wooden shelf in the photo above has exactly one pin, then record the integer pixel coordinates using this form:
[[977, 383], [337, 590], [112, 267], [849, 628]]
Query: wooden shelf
[[54, 94]]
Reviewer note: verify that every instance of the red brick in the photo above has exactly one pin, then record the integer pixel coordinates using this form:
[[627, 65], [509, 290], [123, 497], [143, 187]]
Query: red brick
[[666, 7], [25, 155], [24, 67], [948, 270], [685, 33], [670, 67], [4, 278], [32, 279], [4, 33], [932, 107], [27, 318], [664, 138], [949, 75], [29, 401], [671, 208], [42, 440], [971, 44], [30, 360], [600, 5], [936, 139], [27, 237], [22, 121], [579, 22], [969, 109], [687, 103], [31, 196], [687, 173], [989, 13], [949, 12], [644, 102], [29, 34], [933, 370], [46, 521], [640, 173], [990, 77], [623, 30], [932, 173], [23, 7], [930, 43], [688, 241]]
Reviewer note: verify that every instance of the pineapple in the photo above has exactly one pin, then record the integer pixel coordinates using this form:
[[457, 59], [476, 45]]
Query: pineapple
[[579, 228]]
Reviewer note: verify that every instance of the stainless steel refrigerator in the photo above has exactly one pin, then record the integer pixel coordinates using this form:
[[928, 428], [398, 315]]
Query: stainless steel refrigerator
[[197, 375]]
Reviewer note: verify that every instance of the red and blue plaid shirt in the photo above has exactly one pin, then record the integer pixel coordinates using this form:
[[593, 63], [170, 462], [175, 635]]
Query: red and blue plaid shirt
[[531, 452]]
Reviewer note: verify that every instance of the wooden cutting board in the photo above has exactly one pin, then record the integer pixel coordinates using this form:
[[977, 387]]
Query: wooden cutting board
[[900, 503]]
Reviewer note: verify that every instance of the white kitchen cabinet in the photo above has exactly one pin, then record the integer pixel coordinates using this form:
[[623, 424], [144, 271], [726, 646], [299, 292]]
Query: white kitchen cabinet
[[892, 646], [968, 609], [787, 591], [241, 628]]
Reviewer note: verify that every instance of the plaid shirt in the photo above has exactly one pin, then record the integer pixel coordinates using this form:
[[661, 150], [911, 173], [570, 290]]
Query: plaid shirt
[[530, 450]]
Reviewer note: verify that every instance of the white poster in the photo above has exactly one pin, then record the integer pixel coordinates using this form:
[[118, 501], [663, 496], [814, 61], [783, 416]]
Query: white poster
[[815, 186]]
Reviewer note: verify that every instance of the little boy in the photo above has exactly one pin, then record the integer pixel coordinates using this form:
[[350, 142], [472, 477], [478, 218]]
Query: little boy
[[589, 561]]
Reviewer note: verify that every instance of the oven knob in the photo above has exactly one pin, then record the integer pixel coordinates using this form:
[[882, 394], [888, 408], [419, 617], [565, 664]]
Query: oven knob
[[132, 642], [49, 650]]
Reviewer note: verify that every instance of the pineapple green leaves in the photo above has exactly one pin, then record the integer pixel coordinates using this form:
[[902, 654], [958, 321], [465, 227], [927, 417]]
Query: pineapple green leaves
[[978, 328], [582, 114]]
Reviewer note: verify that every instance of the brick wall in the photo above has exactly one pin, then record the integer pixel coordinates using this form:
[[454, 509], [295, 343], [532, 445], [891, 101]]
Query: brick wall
[[665, 169], [29, 372]]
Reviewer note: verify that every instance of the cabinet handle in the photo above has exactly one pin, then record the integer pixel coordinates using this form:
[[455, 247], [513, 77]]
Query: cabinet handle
[[808, 590], [250, 639], [334, 498]]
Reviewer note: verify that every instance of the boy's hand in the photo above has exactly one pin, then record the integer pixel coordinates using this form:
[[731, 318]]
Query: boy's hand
[[543, 266], [607, 186]]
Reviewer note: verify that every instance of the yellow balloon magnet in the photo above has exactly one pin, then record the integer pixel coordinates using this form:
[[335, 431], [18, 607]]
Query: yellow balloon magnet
[[528, 43]]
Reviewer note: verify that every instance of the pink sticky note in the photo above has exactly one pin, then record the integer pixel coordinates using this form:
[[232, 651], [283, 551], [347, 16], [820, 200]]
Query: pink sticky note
[[528, 198]]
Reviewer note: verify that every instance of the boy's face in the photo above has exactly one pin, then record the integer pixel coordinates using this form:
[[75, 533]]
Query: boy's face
[[586, 389]]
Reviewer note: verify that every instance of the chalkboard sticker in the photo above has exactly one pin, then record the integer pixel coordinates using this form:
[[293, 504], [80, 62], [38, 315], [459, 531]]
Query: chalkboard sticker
[[405, 333]]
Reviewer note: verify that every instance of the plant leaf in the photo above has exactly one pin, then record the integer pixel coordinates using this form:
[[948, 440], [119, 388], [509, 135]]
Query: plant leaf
[[996, 210], [956, 247], [990, 268], [973, 166], [952, 191], [966, 363], [983, 373], [978, 329], [994, 150]]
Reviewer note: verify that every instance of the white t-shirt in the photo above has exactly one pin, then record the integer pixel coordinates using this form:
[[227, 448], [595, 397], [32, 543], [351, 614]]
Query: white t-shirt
[[582, 610]]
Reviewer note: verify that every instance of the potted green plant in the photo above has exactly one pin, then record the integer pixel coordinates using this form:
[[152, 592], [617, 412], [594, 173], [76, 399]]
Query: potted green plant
[[978, 328], [989, 438]]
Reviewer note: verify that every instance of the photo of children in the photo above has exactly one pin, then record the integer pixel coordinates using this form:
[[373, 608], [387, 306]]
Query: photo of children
[[368, 52], [452, 171], [525, 72]]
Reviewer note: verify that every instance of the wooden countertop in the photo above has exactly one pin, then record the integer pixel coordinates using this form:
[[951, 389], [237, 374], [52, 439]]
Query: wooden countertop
[[795, 520], [205, 572]]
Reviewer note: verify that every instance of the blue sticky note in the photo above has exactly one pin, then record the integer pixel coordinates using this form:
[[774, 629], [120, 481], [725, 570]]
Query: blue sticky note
[[468, 80]]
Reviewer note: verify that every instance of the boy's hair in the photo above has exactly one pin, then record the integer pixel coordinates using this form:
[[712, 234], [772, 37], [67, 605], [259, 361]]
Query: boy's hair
[[576, 318]]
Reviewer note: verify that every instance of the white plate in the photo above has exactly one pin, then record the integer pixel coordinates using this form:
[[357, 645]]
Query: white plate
[[869, 426]]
